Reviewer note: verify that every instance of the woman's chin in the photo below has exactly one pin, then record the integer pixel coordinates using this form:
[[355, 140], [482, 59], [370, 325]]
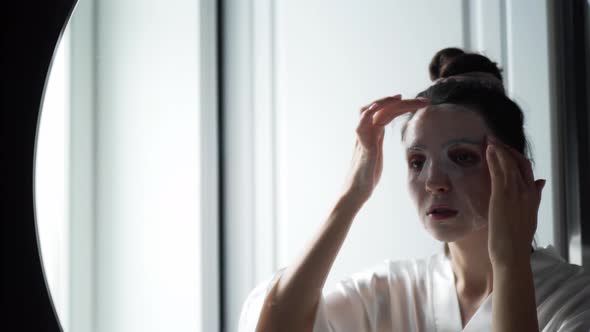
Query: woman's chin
[[448, 231]]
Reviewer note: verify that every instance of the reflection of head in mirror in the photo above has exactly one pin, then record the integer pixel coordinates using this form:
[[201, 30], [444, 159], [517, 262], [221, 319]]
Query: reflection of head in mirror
[[446, 144]]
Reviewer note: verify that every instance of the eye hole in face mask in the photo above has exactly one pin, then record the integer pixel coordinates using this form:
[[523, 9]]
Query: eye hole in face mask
[[415, 162], [464, 157]]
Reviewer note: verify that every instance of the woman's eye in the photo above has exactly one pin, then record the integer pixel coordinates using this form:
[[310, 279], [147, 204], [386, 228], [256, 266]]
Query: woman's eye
[[416, 164], [466, 158]]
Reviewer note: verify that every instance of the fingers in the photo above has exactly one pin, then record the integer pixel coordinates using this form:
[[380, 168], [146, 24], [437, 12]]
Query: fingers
[[526, 170], [503, 162], [367, 115], [526, 167], [504, 167], [396, 97], [511, 168], [494, 166], [384, 110], [380, 155], [391, 109], [523, 164], [368, 111]]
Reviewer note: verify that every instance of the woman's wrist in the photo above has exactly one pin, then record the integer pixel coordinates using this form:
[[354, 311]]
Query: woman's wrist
[[516, 269], [511, 262], [514, 307], [353, 198]]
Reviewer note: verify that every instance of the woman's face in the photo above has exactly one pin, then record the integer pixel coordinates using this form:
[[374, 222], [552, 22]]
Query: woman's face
[[445, 153]]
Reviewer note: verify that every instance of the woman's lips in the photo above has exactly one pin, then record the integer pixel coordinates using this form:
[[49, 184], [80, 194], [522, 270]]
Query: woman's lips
[[441, 215]]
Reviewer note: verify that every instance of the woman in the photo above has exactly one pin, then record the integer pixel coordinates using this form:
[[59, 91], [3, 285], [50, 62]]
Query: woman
[[474, 189]]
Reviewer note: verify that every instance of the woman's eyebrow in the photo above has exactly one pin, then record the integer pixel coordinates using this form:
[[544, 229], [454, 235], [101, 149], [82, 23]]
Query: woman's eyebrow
[[451, 142], [463, 141]]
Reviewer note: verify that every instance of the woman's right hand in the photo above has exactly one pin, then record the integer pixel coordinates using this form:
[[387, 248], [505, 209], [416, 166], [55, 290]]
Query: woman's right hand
[[367, 159]]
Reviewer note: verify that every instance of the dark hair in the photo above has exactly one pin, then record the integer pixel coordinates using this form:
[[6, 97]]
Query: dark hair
[[502, 115], [454, 61]]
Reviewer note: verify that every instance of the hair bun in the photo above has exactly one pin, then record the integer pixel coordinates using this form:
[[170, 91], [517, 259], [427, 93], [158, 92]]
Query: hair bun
[[441, 59], [454, 61]]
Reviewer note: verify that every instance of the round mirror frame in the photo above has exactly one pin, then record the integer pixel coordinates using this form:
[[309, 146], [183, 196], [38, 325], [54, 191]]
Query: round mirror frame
[[31, 32]]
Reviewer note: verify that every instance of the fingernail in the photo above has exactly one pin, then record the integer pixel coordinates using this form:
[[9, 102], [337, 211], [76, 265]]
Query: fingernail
[[543, 184], [423, 98]]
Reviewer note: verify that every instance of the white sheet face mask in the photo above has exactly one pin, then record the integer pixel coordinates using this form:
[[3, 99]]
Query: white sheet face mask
[[455, 173], [444, 136]]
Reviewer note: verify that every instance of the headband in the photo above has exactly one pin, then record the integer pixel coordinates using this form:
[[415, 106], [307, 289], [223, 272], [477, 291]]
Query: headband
[[477, 76]]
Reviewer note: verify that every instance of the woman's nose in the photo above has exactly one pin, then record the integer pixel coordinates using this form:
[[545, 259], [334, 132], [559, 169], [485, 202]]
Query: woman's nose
[[437, 181]]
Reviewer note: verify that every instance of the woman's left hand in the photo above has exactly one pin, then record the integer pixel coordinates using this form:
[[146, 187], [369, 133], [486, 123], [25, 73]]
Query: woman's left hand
[[514, 204]]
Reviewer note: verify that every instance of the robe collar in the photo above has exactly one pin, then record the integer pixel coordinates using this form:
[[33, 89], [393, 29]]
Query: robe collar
[[446, 311]]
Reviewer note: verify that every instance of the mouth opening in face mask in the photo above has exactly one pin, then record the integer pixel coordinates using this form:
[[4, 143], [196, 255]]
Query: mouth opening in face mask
[[443, 214]]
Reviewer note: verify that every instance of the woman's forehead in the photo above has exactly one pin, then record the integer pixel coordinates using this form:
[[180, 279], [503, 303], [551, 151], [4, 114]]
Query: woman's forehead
[[442, 125]]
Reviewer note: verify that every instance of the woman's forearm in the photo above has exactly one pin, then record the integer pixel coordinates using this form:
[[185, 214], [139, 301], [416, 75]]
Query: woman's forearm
[[291, 304], [514, 307]]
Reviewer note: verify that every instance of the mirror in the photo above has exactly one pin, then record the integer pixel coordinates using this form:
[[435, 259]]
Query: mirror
[[29, 43], [310, 76], [50, 180], [121, 230], [131, 235]]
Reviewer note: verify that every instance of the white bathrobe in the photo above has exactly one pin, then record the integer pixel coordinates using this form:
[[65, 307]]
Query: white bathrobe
[[420, 295]]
